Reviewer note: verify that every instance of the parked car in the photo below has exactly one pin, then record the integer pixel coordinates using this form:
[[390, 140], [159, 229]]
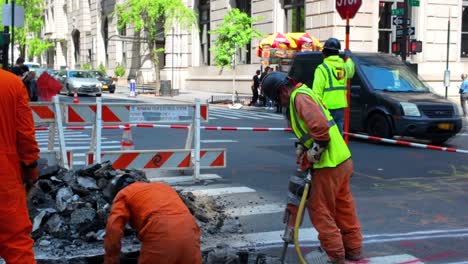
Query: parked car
[[83, 81], [32, 65], [388, 98], [106, 81]]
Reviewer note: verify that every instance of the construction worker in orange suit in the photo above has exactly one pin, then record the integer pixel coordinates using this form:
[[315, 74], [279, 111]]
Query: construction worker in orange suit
[[18, 167], [165, 226], [330, 205]]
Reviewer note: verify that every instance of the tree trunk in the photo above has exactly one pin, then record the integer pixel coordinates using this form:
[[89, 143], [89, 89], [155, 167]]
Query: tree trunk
[[155, 60]]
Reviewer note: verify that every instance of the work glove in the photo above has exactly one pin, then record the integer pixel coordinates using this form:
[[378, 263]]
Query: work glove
[[314, 153], [299, 150], [347, 53]]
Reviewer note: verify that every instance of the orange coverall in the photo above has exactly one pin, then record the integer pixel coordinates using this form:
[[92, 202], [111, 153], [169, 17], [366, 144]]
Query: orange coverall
[[331, 206], [167, 230], [17, 144]]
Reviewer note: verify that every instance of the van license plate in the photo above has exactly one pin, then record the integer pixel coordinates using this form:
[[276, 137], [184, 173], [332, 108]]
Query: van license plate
[[445, 126], [104, 87]]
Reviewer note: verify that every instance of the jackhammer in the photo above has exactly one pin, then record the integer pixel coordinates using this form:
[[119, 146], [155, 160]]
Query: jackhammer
[[298, 192]]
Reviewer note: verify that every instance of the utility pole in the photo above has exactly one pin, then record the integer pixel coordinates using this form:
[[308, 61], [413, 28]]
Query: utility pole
[[447, 71], [12, 32], [404, 39]]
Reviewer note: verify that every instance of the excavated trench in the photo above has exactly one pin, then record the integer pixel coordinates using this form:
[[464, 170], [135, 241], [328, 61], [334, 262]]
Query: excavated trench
[[69, 210]]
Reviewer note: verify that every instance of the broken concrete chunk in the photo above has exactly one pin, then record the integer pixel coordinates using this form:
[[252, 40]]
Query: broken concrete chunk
[[44, 243], [64, 196], [222, 254], [57, 227], [82, 215], [39, 217], [87, 182], [89, 170], [101, 234]]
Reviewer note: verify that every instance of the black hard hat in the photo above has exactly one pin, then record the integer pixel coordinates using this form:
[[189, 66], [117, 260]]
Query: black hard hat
[[122, 182], [332, 44], [272, 82]]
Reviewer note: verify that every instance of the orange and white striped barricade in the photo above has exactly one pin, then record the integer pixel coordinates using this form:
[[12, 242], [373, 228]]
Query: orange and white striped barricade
[[51, 114], [44, 114], [175, 159], [127, 113]]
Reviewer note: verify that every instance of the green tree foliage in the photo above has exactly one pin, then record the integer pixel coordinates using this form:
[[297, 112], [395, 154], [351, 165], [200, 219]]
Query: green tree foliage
[[102, 68], [153, 18], [236, 28], [119, 71], [29, 35], [86, 66]]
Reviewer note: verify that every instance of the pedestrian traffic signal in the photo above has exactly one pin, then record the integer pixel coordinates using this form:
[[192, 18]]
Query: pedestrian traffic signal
[[412, 47], [416, 46]]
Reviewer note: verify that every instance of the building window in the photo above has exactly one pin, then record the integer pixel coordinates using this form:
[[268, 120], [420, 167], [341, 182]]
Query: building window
[[464, 34], [204, 23], [246, 7], [295, 20]]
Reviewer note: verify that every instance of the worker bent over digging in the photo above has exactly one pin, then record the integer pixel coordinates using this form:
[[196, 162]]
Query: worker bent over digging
[[323, 150], [167, 230]]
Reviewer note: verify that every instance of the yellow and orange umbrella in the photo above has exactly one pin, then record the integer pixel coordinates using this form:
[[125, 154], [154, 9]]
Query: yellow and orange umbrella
[[305, 41], [278, 40]]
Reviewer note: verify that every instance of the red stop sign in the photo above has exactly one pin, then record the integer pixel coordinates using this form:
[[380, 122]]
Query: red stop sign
[[347, 8]]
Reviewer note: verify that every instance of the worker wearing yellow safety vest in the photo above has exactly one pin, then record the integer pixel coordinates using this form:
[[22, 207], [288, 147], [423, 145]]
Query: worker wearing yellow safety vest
[[330, 80], [330, 203]]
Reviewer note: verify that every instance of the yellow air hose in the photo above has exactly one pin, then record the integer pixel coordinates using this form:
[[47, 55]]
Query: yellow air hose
[[297, 224]]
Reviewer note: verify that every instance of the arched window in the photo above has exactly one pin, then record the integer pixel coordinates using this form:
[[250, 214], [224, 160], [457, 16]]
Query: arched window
[[295, 19], [105, 36], [204, 24], [76, 43]]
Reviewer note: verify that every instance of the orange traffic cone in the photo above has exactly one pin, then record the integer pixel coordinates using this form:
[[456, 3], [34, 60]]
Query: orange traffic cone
[[75, 97], [127, 140]]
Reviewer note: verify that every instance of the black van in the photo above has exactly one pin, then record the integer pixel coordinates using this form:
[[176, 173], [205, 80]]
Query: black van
[[388, 98]]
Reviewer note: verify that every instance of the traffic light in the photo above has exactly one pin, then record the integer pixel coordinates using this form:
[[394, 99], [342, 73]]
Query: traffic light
[[395, 47]]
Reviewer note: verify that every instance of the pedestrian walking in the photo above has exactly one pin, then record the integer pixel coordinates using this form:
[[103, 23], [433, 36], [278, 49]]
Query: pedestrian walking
[[263, 99], [464, 93], [166, 228], [18, 162], [331, 206], [330, 80], [255, 86]]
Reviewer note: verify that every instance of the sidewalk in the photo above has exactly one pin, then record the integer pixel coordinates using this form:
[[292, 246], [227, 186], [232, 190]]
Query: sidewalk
[[185, 96], [189, 96]]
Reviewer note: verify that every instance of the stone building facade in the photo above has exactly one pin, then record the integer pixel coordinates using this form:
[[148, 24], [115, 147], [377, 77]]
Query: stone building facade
[[85, 31]]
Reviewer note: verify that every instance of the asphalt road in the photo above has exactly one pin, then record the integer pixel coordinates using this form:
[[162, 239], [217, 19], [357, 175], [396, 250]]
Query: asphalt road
[[411, 202]]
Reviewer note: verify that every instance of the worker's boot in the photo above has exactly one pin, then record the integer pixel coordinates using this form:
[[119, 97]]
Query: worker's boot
[[351, 257], [319, 256], [354, 255]]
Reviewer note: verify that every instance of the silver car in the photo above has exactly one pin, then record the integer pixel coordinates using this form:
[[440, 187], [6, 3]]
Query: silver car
[[83, 81]]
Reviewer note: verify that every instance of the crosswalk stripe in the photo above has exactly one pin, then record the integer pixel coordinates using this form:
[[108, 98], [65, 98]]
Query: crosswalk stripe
[[182, 179], [232, 114], [86, 148], [256, 210], [218, 141], [74, 142], [218, 191]]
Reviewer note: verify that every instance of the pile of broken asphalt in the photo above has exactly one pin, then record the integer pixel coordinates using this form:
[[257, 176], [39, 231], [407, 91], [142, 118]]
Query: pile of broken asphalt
[[69, 211]]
